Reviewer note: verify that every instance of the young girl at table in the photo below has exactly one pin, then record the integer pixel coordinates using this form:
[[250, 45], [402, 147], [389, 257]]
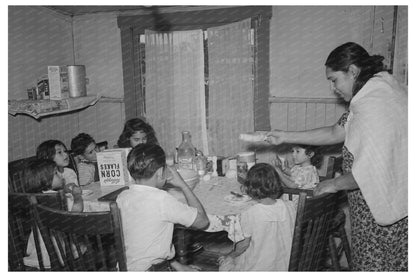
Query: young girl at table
[[267, 226], [303, 174], [136, 131], [56, 151], [41, 176], [83, 147]]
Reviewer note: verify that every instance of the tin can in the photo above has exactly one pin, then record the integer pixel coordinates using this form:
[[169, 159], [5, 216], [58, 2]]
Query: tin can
[[76, 81]]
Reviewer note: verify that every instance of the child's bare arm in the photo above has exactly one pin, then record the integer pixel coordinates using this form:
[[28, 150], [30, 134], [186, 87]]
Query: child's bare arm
[[76, 191], [286, 179], [201, 220]]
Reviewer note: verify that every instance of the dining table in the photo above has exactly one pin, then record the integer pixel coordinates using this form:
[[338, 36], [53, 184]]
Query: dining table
[[221, 198], [223, 202]]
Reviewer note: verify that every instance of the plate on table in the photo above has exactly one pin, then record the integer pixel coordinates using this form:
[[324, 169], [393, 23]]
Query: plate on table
[[236, 199], [86, 192]]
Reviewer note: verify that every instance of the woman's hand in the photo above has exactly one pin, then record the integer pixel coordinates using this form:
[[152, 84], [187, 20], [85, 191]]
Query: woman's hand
[[275, 137], [174, 178], [327, 186]]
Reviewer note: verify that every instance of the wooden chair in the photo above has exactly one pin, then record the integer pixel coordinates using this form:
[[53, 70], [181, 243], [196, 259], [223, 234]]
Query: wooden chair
[[78, 241], [338, 232], [20, 225], [312, 228], [16, 177]]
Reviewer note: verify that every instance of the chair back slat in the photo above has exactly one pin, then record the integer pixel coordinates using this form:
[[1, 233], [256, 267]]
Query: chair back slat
[[21, 225], [312, 228], [83, 237], [16, 177]]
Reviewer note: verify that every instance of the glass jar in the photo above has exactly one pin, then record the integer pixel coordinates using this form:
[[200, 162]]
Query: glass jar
[[186, 151], [200, 163]]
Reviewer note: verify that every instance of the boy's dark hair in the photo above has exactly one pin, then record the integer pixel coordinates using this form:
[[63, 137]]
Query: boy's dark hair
[[46, 150], [144, 160], [316, 159], [38, 175], [80, 143], [262, 181], [135, 125]]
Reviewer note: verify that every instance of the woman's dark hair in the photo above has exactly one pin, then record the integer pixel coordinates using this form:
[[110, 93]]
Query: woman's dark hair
[[352, 53], [132, 126], [80, 143], [316, 159], [144, 160], [38, 175], [262, 181], [46, 150]]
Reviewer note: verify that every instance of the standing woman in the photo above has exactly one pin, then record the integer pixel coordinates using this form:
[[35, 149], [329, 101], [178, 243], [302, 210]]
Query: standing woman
[[374, 132], [136, 131]]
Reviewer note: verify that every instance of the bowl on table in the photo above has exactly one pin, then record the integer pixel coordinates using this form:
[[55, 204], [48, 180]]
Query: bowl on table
[[190, 177]]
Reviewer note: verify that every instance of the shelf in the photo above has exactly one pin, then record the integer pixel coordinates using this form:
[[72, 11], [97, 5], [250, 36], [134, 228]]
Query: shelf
[[41, 108]]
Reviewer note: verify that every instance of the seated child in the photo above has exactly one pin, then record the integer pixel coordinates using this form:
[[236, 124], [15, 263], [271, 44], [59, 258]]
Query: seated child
[[149, 213], [83, 147], [56, 151], [267, 226], [303, 174], [41, 176]]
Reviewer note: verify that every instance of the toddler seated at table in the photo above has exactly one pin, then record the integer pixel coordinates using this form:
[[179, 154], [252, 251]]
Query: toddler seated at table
[[56, 151], [84, 150], [41, 176], [303, 174], [149, 213], [267, 226]]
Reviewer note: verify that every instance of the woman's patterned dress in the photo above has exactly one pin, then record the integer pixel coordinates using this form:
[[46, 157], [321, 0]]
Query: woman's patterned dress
[[373, 247]]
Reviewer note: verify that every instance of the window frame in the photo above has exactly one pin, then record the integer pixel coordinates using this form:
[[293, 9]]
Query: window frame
[[131, 27]]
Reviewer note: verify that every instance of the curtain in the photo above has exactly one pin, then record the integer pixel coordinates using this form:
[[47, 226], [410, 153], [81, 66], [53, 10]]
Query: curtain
[[175, 93], [231, 87]]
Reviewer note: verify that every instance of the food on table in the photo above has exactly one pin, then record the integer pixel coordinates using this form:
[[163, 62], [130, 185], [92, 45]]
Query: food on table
[[254, 137]]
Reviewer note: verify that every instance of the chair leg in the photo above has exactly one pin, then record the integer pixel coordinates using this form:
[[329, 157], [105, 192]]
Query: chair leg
[[345, 244], [333, 253]]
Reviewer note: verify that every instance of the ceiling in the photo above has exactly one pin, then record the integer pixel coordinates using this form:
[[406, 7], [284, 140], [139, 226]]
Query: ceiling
[[80, 10]]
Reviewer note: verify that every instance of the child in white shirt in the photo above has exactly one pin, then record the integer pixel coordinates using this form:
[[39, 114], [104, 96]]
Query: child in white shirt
[[267, 226], [148, 213], [41, 176]]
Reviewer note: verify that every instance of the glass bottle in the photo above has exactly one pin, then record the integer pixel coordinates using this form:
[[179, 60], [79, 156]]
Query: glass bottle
[[186, 151]]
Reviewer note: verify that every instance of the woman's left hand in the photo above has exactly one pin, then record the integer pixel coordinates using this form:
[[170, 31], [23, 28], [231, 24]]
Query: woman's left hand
[[327, 186]]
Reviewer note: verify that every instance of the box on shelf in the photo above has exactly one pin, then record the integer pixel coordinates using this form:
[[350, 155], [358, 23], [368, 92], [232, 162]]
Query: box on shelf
[[43, 88], [58, 82], [112, 167]]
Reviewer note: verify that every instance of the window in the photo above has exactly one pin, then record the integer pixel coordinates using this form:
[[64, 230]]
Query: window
[[133, 26]]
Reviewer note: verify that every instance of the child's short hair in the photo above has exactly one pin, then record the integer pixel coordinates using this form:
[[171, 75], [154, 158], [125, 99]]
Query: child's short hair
[[316, 159], [262, 181], [144, 160], [135, 125], [38, 175], [80, 143], [46, 150]]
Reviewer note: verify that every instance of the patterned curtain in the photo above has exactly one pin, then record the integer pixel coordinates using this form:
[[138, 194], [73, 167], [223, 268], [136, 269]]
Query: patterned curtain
[[231, 87], [175, 94]]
